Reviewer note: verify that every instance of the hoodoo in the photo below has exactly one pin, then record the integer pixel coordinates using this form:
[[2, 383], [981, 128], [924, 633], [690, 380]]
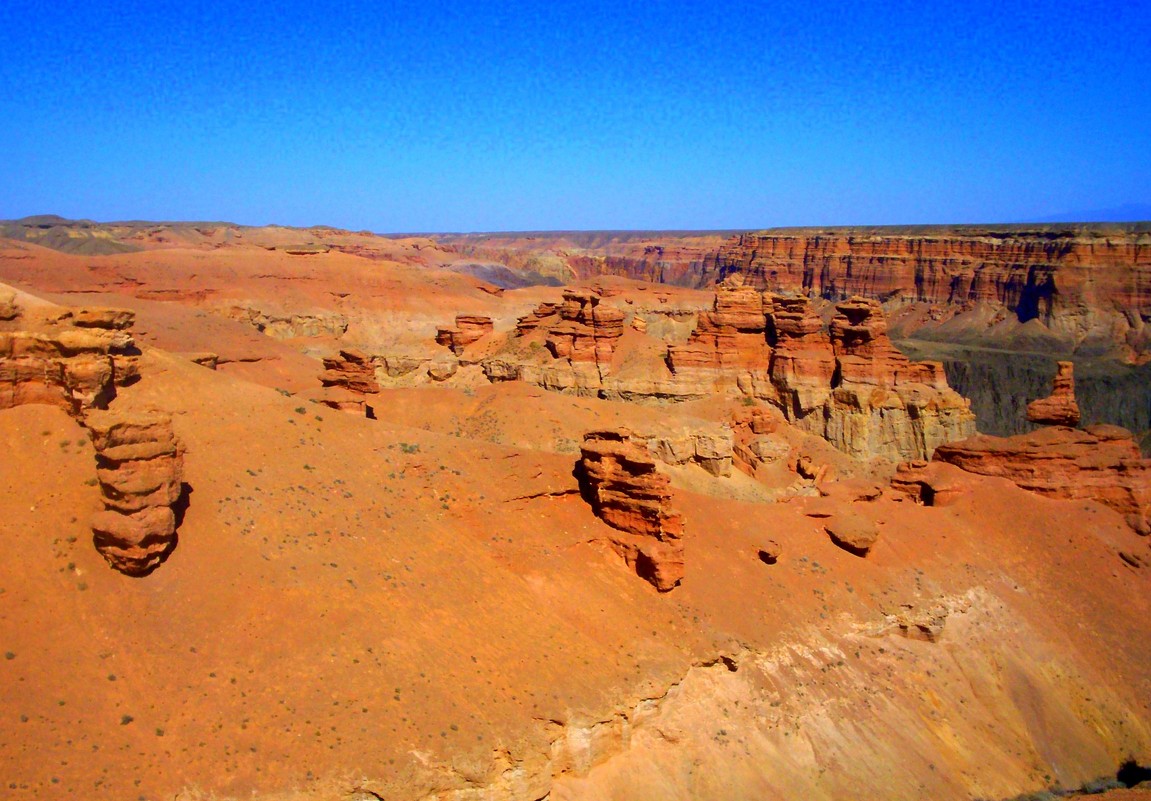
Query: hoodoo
[[1060, 407], [140, 466]]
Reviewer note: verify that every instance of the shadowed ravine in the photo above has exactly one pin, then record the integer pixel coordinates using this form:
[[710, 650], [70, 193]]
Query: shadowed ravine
[[1001, 383]]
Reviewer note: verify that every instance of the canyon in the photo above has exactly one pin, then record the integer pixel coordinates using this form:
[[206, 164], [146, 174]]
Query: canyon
[[318, 515]]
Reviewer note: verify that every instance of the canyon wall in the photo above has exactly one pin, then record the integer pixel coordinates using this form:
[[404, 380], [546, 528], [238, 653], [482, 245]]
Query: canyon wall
[[1065, 288], [1087, 290]]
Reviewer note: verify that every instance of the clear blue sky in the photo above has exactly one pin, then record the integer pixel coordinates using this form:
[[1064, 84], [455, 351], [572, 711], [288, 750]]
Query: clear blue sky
[[455, 116]]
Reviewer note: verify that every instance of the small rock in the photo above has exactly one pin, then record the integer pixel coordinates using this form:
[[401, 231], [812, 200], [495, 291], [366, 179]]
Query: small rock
[[442, 371], [852, 532], [769, 552]]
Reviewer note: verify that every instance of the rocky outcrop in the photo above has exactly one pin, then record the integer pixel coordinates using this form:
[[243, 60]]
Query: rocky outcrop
[[9, 309], [573, 355], [755, 443], [620, 481], [929, 483], [288, 325], [349, 383], [587, 330], [469, 328], [205, 359], [882, 403], [139, 464], [1101, 463], [1060, 407], [732, 336], [353, 370], [70, 358], [803, 365], [532, 321], [851, 386], [707, 446]]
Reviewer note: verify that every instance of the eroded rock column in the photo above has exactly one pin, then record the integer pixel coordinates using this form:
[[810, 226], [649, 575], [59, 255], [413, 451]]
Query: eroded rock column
[[1060, 407], [140, 467]]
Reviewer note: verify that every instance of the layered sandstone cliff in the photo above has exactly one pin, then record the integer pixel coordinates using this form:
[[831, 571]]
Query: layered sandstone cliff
[[730, 337], [847, 383], [882, 403], [576, 350], [1086, 288], [620, 481], [349, 382], [70, 358], [1100, 463], [75, 359]]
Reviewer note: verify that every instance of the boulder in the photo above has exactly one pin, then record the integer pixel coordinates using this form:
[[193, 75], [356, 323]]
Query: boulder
[[442, 370], [852, 532], [9, 310]]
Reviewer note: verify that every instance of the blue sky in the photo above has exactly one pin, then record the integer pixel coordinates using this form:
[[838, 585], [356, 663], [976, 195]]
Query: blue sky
[[438, 116]]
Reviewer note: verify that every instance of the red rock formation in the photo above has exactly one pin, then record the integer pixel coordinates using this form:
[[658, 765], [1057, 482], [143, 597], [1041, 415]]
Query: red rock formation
[[865, 354], [1060, 407], [619, 479], [353, 370], [469, 328], [530, 322], [803, 365], [730, 336], [1101, 463], [882, 403], [139, 463], [675, 262], [853, 388], [587, 331], [948, 267], [349, 383], [929, 483], [73, 359]]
